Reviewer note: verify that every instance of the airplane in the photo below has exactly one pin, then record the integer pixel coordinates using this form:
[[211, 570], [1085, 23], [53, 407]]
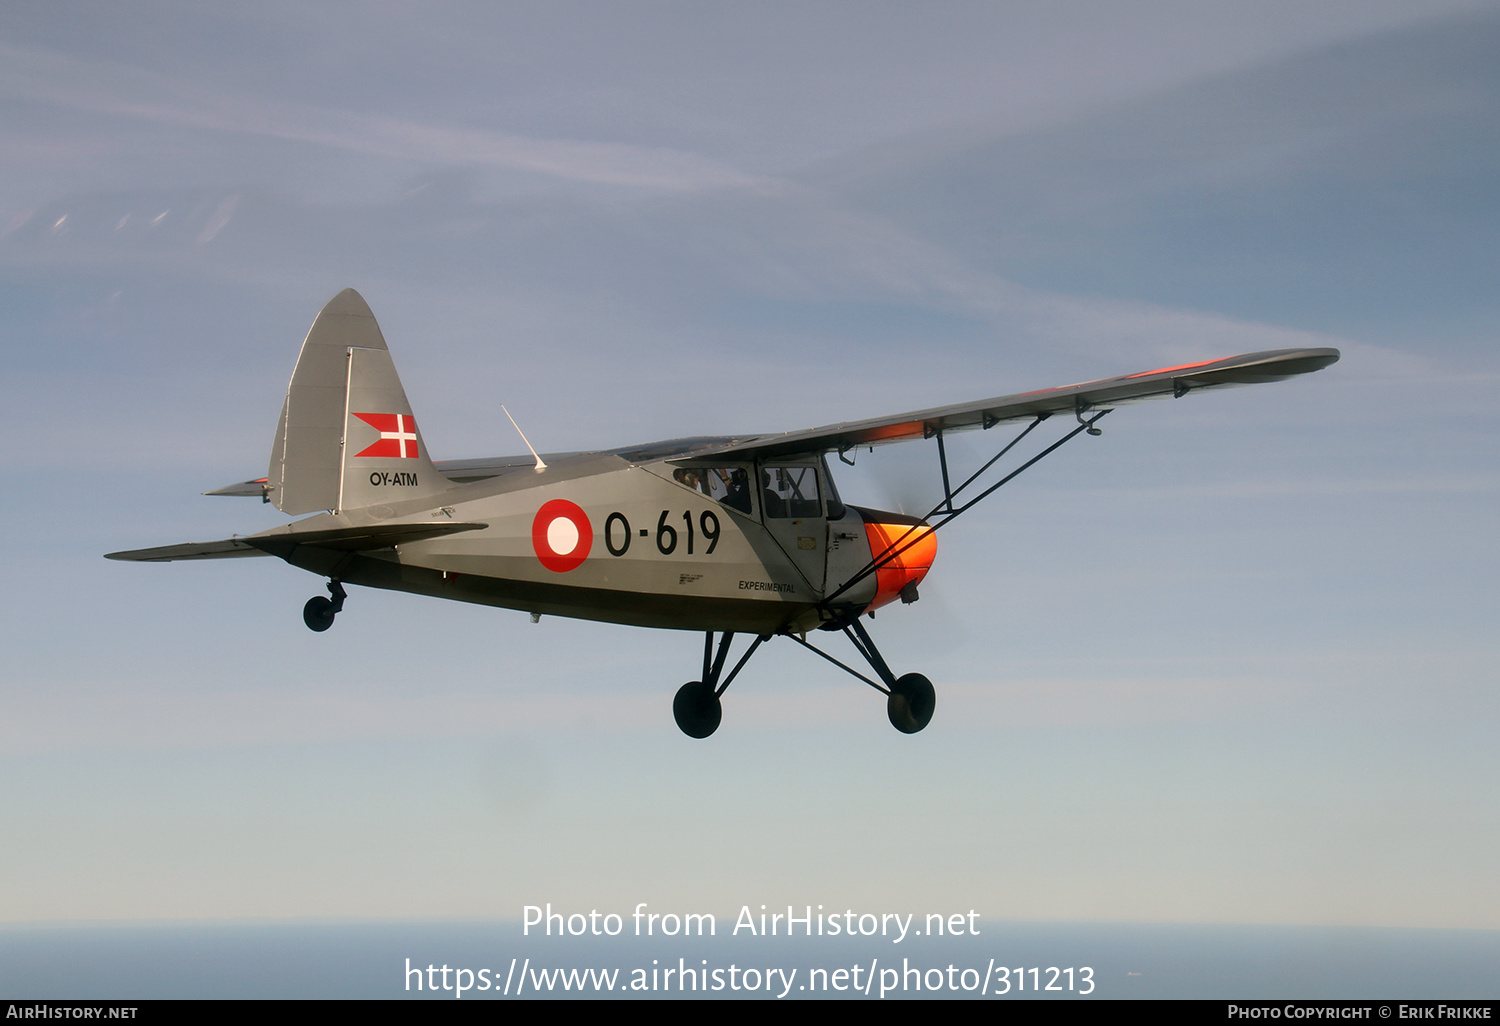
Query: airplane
[[718, 534]]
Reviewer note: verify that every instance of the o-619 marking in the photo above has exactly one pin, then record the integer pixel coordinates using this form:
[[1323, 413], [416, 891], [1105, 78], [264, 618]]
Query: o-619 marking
[[666, 534]]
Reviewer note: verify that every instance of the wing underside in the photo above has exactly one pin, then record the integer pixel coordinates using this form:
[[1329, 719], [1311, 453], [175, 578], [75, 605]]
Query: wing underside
[[1250, 369]]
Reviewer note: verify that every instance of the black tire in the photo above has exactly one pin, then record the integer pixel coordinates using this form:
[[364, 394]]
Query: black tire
[[697, 710], [318, 613], [911, 703]]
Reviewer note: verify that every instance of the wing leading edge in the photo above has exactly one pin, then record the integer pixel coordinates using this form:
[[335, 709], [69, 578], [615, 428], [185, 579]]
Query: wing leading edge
[[1177, 381], [1249, 369]]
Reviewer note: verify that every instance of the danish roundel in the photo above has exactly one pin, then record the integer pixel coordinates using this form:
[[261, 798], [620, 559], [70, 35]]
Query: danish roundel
[[561, 535]]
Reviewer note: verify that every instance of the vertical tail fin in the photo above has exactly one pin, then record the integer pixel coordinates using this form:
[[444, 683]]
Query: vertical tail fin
[[347, 438]]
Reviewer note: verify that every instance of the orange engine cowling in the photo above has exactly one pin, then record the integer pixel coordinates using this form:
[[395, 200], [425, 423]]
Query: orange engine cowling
[[908, 546]]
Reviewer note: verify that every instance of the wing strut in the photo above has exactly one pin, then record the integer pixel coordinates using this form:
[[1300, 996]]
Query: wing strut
[[946, 508]]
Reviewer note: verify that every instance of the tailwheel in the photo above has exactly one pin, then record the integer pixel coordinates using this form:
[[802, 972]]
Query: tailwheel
[[319, 612], [911, 703], [697, 709]]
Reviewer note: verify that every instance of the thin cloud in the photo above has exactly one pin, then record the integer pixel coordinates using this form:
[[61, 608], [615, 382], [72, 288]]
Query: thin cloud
[[111, 88]]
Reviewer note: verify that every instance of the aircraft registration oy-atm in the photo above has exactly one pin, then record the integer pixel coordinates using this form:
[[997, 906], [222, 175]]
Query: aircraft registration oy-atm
[[723, 535]]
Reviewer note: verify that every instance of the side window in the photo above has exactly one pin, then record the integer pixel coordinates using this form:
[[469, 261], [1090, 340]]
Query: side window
[[731, 486], [791, 492], [691, 477], [728, 485]]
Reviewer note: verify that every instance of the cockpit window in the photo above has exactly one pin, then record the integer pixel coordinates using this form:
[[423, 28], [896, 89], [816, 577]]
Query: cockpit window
[[791, 491]]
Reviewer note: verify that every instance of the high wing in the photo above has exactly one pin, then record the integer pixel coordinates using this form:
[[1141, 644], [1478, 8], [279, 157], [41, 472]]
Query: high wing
[[1249, 369], [1106, 393]]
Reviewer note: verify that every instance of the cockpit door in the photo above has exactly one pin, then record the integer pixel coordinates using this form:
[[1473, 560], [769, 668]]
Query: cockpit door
[[791, 502]]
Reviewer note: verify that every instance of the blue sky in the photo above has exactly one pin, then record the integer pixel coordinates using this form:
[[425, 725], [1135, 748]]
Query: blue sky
[[1231, 662]]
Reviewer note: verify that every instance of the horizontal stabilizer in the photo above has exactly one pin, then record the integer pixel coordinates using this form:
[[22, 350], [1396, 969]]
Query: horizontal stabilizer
[[282, 542], [225, 549], [256, 488], [356, 539]]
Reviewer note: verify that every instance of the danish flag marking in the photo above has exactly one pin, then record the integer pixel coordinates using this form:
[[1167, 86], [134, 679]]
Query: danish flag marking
[[398, 435]]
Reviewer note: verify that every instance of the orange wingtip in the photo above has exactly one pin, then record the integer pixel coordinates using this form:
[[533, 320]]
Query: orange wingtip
[[1169, 370]]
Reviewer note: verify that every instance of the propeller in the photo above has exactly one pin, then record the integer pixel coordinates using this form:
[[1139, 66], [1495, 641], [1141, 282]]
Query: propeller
[[904, 479]]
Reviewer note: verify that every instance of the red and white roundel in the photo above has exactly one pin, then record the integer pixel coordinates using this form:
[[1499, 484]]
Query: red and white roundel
[[561, 535]]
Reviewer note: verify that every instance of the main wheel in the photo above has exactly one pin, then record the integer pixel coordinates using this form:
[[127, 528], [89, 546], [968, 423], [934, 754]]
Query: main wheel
[[697, 710], [911, 703], [318, 613]]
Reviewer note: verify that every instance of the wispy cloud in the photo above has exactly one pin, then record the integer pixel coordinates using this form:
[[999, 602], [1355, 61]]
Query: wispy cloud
[[116, 89]]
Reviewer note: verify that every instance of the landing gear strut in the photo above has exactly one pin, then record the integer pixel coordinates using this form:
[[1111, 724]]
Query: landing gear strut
[[319, 612], [697, 708], [910, 699]]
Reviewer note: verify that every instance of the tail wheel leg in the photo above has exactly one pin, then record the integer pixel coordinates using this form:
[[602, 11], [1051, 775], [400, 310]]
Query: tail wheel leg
[[319, 612]]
